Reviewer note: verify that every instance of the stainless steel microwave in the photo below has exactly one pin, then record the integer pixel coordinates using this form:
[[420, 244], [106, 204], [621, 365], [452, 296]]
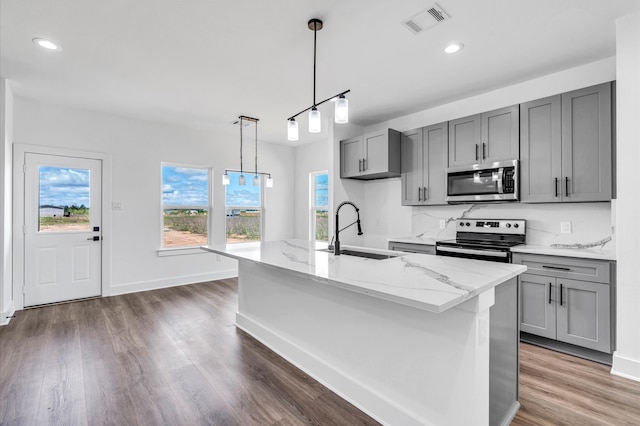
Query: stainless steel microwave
[[496, 182]]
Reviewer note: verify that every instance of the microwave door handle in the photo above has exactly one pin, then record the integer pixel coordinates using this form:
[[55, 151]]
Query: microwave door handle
[[500, 180]]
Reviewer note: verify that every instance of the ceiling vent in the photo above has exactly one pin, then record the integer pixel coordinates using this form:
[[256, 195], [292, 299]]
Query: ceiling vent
[[426, 19]]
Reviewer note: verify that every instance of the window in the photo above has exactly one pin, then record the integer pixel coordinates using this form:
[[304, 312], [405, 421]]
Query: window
[[185, 206], [244, 209], [64, 199], [319, 205]]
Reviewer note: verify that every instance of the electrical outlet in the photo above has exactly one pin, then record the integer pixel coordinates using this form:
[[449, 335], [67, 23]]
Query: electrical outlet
[[116, 205], [565, 227], [443, 223]]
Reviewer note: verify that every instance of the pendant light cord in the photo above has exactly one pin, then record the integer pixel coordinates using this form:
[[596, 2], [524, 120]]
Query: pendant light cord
[[240, 145], [315, 34]]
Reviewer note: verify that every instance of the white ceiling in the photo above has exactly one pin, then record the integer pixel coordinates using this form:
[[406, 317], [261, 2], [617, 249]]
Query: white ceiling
[[205, 62]]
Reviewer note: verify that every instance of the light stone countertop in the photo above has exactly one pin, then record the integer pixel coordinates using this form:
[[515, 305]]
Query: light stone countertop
[[432, 283], [428, 241], [599, 253], [583, 253]]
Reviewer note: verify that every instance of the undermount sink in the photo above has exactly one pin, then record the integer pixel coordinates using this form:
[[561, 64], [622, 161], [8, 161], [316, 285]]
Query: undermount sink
[[365, 254]]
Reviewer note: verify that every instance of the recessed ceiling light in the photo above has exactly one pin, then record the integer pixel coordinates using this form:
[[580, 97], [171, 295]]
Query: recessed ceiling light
[[454, 47], [47, 44]]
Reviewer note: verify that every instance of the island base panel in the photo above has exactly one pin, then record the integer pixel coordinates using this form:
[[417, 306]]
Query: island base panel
[[399, 364]]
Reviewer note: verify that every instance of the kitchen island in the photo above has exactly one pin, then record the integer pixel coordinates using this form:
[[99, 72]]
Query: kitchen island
[[412, 339]]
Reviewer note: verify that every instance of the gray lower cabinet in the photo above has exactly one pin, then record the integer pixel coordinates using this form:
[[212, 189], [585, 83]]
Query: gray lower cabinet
[[424, 159], [371, 156], [485, 138], [566, 147], [555, 305], [412, 248]]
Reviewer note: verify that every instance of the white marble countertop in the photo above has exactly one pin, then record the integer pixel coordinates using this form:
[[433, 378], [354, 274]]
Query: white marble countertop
[[429, 241], [599, 253], [432, 283]]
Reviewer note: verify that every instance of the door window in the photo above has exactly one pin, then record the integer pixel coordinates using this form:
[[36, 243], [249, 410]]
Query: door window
[[64, 199]]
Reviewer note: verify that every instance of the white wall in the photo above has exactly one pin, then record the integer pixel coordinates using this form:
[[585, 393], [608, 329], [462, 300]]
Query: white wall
[[137, 149], [626, 360], [6, 135], [309, 158]]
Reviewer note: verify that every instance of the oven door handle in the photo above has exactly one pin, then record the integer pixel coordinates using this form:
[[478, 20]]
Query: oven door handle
[[492, 253]]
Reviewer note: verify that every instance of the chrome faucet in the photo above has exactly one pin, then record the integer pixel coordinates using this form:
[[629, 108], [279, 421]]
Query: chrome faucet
[[336, 247]]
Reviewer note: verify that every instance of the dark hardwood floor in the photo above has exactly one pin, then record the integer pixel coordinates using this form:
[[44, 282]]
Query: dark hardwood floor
[[173, 356]]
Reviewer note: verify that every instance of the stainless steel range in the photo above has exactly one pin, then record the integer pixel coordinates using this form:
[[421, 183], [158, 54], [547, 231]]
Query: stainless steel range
[[484, 239]]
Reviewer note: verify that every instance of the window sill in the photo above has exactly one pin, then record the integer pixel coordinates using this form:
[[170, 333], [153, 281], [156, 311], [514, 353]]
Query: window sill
[[179, 251]]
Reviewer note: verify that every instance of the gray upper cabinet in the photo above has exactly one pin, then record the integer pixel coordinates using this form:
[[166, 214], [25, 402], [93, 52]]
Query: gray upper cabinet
[[351, 157], [424, 159], [586, 144], [464, 141], [540, 150], [372, 156], [485, 138], [566, 147]]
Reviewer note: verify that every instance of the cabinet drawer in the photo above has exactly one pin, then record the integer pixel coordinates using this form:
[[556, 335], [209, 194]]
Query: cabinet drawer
[[566, 267], [412, 248]]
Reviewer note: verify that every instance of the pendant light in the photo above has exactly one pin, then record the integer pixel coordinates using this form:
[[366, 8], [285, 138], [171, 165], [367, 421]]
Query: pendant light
[[315, 120], [256, 178]]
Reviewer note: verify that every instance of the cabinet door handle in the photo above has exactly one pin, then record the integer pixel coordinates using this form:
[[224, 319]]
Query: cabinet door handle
[[549, 293], [419, 199], [364, 164], [566, 186], [557, 268], [560, 294], [556, 187], [476, 152], [360, 165], [483, 150], [424, 193]]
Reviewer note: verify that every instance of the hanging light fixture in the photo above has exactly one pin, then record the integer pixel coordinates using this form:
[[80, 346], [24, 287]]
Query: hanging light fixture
[[241, 179], [342, 106]]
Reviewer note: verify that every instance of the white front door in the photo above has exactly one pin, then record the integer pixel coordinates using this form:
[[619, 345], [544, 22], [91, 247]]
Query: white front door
[[62, 218]]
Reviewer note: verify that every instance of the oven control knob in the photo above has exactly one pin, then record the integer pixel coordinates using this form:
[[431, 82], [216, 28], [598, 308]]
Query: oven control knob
[[468, 224], [515, 225], [508, 225], [461, 223]]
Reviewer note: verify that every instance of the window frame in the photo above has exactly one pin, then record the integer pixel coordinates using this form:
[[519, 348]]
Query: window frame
[[193, 249], [313, 206], [249, 181]]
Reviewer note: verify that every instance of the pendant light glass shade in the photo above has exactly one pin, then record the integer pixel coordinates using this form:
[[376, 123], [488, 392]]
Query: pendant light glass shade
[[314, 121], [342, 110], [225, 179], [241, 180], [269, 182], [256, 181], [292, 130]]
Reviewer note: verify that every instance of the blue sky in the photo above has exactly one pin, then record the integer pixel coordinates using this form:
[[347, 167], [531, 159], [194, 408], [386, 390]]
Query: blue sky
[[185, 186], [242, 196], [61, 186], [322, 190]]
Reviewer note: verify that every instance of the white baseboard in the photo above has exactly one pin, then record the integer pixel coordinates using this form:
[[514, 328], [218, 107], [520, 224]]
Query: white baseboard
[[336, 380], [171, 282], [6, 316], [625, 367]]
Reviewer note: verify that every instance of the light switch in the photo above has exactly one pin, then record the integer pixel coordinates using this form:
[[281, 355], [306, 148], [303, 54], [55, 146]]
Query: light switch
[[565, 227], [116, 205]]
